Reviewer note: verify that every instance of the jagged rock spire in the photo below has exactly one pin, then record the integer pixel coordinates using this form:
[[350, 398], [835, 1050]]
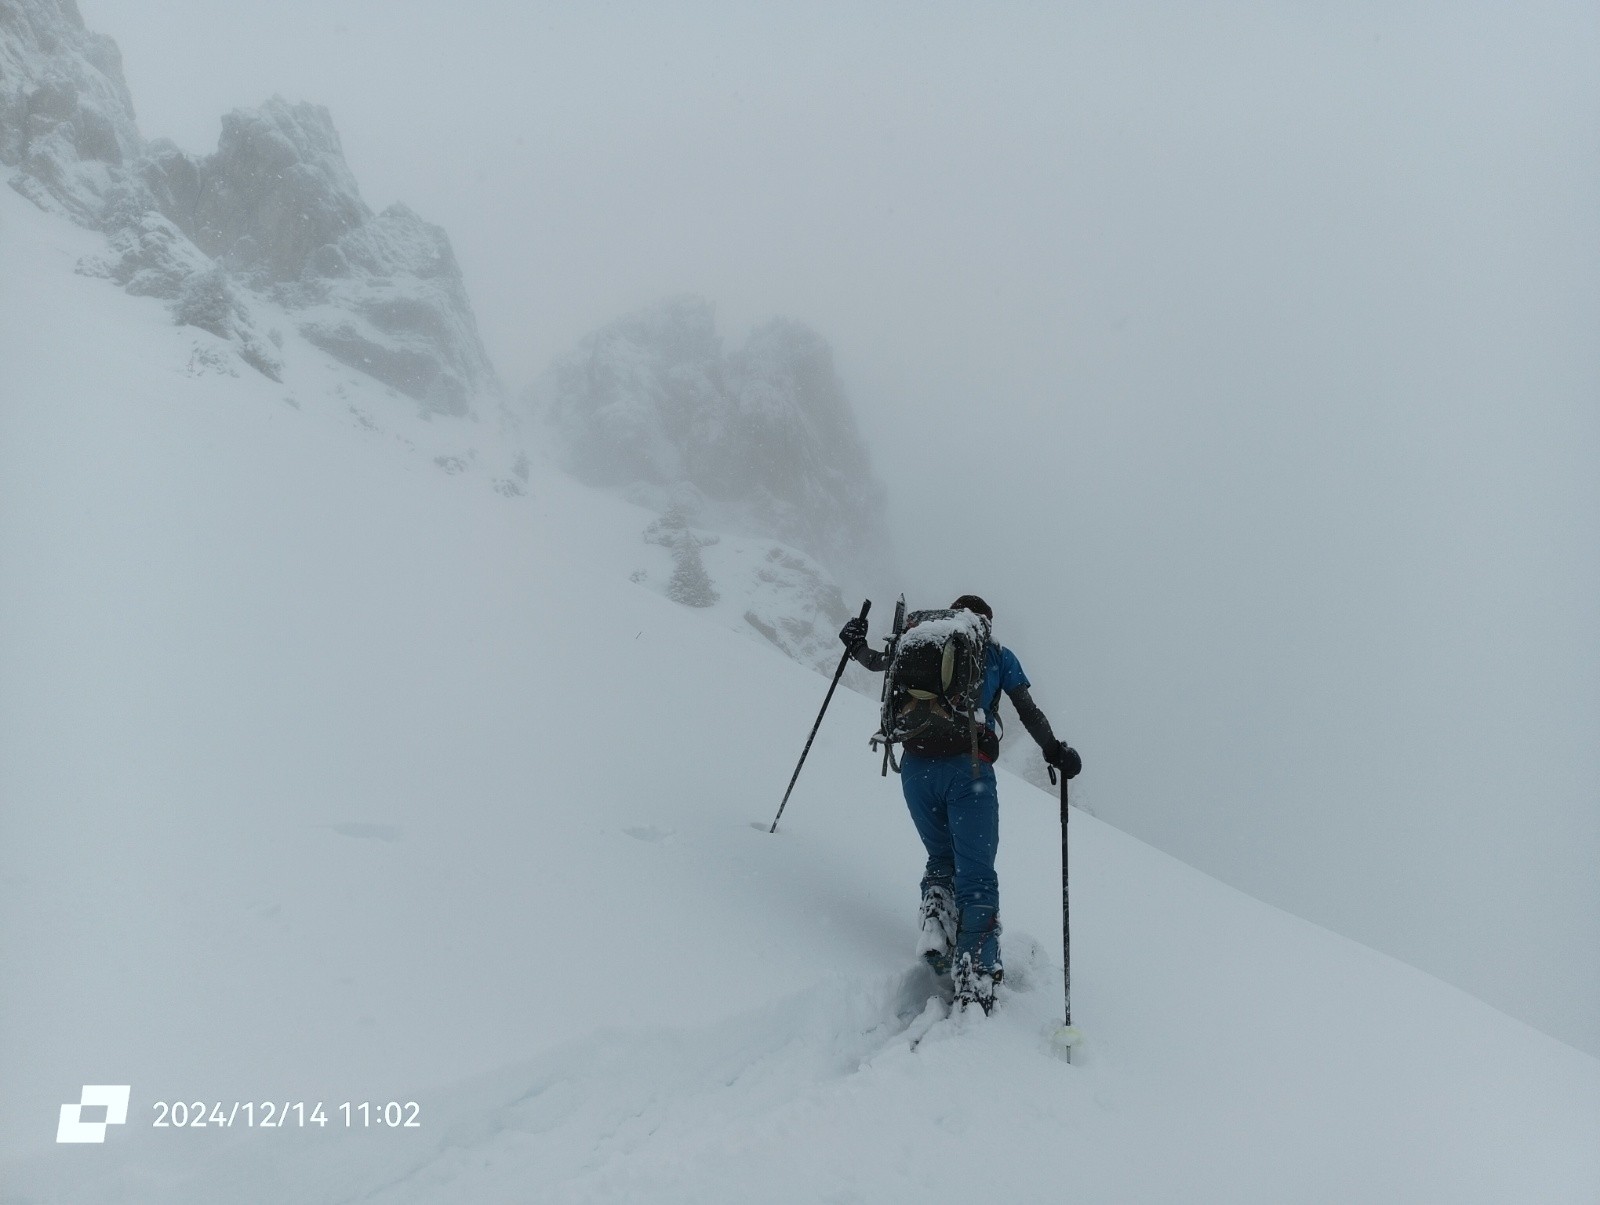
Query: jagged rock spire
[[762, 440]]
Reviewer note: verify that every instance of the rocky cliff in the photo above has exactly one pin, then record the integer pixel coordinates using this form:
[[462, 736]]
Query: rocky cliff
[[760, 441], [273, 216]]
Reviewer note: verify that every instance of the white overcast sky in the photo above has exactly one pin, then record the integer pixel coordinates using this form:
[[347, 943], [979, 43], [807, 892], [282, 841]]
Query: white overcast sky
[[1248, 356]]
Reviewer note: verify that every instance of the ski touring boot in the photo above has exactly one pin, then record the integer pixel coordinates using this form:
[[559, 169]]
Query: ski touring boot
[[976, 957], [974, 984], [938, 917]]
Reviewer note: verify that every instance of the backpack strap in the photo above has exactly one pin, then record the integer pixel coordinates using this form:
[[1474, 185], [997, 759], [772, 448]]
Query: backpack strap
[[992, 712], [889, 761]]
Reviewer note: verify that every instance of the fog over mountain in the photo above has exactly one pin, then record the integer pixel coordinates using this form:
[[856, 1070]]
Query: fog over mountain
[[761, 440], [367, 835], [1244, 358]]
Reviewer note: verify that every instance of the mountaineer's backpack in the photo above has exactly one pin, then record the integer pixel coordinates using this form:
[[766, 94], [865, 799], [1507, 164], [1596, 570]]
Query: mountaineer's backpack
[[932, 688]]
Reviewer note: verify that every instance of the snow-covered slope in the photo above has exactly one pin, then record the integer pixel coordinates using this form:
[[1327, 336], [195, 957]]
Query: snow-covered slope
[[330, 773]]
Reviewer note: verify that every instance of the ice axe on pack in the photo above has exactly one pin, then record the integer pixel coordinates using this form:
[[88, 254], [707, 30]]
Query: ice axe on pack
[[837, 674]]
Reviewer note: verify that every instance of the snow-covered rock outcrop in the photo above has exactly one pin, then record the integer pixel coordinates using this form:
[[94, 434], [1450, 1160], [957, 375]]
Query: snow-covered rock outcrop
[[66, 119], [753, 586], [273, 214], [761, 441], [278, 206]]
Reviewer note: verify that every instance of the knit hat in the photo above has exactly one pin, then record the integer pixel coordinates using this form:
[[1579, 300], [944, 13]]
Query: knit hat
[[971, 602]]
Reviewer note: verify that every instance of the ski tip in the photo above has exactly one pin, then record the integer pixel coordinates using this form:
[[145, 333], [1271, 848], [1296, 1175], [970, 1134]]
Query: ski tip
[[1065, 1040]]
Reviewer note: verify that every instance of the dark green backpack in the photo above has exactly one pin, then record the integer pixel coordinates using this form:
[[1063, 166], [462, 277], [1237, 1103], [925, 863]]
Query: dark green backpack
[[932, 693]]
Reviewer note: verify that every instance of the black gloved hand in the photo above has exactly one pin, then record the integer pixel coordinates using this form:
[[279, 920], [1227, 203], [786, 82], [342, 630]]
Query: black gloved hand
[[1064, 758], [854, 634]]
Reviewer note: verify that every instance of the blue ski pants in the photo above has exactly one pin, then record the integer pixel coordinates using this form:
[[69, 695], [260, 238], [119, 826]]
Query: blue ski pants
[[957, 814]]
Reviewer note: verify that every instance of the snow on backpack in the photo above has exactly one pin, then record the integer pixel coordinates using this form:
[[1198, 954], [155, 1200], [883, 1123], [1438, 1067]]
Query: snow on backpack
[[932, 688]]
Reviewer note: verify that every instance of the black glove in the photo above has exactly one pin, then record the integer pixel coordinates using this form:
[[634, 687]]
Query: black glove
[[1064, 758], [854, 634]]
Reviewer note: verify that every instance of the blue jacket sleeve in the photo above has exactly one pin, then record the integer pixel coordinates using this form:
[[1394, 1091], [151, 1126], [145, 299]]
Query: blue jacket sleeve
[[1015, 683]]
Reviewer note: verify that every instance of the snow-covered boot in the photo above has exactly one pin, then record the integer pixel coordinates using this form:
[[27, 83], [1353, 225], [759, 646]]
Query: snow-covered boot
[[938, 918], [976, 956], [974, 984]]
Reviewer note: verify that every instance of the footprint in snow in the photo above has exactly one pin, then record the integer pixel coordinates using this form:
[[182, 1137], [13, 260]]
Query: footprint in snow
[[648, 832], [616, 1109]]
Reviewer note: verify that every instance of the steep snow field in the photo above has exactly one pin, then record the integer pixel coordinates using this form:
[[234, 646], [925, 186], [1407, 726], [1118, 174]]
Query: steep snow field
[[332, 774]]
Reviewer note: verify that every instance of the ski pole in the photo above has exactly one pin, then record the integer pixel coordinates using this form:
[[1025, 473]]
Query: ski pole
[[1066, 1037], [837, 674]]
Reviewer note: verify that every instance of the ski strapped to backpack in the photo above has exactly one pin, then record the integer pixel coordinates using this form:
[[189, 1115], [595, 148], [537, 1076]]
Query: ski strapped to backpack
[[891, 642], [932, 688]]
